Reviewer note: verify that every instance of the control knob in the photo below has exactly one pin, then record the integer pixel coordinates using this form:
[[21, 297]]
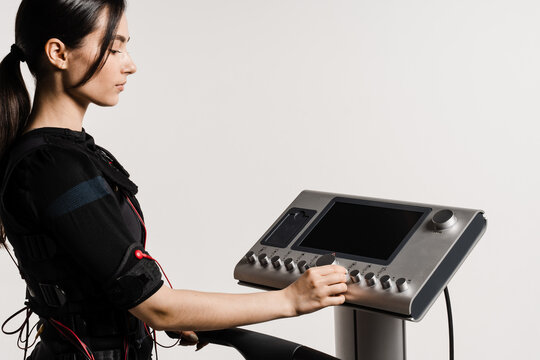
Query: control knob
[[277, 262], [303, 266], [251, 258], [327, 259], [371, 280], [355, 276], [402, 284], [386, 282], [444, 219], [289, 264], [263, 259]]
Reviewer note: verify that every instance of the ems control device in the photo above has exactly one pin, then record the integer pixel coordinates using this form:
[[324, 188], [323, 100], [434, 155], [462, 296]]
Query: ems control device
[[399, 255]]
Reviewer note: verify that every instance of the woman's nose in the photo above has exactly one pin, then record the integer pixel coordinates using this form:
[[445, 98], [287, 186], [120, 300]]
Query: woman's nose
[[130, 67]]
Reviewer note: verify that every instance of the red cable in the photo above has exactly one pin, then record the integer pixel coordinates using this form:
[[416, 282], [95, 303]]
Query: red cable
[[158, 264], [139, 254], [145, 232], [147, 331], [126, 349], [83, 345]]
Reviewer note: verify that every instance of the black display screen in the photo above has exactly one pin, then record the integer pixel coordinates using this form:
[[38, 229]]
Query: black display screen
[[369, 231]]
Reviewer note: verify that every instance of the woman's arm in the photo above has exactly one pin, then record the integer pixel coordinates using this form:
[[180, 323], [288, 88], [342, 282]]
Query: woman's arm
[[178, 310]]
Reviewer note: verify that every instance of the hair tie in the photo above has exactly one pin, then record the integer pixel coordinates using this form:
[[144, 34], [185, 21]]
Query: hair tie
[[17, 52]]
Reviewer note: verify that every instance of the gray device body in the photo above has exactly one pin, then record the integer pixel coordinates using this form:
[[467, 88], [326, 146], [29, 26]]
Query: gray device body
[[399, 255]]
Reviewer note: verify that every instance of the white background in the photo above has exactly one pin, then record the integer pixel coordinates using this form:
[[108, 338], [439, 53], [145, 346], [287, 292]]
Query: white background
[[239, 105]]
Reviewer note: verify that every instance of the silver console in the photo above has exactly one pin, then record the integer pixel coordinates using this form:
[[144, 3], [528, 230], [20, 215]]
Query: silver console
[[399, 255]]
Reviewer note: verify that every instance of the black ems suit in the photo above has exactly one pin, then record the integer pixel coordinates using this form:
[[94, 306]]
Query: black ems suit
[[70, 213]]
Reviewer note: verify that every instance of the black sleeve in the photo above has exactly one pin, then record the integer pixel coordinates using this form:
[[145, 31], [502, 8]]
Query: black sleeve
[[74, 203]]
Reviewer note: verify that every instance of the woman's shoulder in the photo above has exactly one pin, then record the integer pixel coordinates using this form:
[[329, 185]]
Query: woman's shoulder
[[54, 157], [43, 154], [41, 167]]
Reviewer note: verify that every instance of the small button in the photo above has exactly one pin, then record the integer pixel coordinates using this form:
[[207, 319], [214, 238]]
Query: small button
[[402, 285], [251, 258], [386, 282], [444, 219], [263, 259], [327, 259], [371, 280], [302, 266], [289, 264], [355, 276], [277, 262]]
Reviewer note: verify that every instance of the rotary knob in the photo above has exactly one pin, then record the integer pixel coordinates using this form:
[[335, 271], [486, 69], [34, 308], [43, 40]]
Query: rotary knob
[[302, 266], [289, 264], [327, 259], [402, 284], [386, 282], [277, 262], [251, 258], [371, 280], [444, 219], [355, 276], [263, 259]]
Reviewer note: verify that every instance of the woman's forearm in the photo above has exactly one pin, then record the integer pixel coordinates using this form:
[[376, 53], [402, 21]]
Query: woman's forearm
[[178, 310], [194, 310]]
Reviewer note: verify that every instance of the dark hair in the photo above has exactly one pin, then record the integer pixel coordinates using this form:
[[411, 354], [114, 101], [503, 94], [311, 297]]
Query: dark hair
[[37, 22]]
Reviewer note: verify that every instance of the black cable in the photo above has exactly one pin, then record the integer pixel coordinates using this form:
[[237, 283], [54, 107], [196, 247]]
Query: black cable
[[29, 312], [168, 346], [11, 318], [450, 323], [23, 344]]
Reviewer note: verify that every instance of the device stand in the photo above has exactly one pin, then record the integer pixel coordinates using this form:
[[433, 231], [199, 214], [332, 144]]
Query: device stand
[[363, 335]]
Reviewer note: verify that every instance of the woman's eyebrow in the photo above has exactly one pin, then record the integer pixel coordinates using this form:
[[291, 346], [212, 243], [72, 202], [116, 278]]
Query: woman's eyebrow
[[122, 38]]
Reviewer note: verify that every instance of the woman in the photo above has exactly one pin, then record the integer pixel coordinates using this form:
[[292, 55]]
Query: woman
[[69, 210]]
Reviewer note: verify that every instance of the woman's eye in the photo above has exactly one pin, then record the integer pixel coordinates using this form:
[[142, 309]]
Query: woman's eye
[[115, 51]]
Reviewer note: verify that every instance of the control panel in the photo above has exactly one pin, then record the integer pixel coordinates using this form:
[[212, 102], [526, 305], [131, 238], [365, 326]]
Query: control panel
[[399, 255]]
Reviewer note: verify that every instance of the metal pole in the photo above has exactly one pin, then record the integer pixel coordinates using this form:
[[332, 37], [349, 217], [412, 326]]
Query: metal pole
[[363, 335]]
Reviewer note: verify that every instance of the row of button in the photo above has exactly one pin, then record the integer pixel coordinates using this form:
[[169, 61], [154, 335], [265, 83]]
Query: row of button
[[385, 280], [370, 278], [277, 262]]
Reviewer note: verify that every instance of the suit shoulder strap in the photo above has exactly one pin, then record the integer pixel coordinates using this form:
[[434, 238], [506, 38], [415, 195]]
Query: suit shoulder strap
[[21, 149]]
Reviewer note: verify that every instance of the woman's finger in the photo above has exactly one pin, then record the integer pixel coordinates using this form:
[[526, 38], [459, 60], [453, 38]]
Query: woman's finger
[[333, 300], [335, 289], [328, 269], [333, 278]]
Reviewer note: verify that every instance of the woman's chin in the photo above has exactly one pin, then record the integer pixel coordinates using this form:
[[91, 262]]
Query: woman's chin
[[112, 101]]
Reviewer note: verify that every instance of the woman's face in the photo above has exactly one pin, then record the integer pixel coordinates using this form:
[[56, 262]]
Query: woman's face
[[106, 85]]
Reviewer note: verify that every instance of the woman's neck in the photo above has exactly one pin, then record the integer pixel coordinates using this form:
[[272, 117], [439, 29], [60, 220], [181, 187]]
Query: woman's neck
[[55, 108]]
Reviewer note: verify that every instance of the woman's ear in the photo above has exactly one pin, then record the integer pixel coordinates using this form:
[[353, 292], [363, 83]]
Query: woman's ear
[[56, 53]]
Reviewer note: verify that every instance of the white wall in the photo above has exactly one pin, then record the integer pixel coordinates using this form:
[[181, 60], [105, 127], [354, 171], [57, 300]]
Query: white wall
[[239, 105]]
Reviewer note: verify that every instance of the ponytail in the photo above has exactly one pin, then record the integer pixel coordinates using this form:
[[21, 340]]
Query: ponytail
[[14, 105], [14, 99]]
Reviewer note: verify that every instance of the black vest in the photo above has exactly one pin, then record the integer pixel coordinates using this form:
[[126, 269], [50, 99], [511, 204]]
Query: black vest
[[54, 290]]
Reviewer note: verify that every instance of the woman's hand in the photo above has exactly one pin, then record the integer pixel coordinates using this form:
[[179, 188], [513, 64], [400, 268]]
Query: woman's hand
[[317, 288], [190, 338]]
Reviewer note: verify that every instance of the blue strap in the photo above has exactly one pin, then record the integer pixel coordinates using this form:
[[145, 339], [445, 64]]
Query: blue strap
[[78, 196]]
